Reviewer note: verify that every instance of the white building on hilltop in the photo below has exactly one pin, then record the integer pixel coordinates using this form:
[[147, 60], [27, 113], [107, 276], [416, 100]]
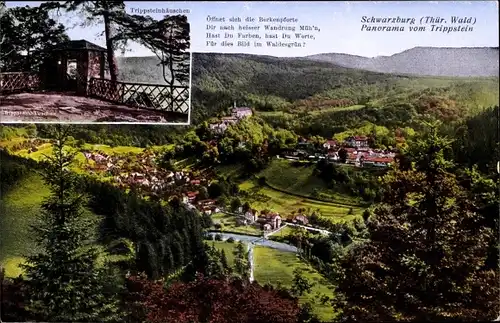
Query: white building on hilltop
[[241, 112]]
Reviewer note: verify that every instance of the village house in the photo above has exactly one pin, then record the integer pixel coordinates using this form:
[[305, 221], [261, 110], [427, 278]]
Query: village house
[[330, 144], [249, 217], [207, 206], [206, 202], [191, 196], [365, 150], [180, 176], [377, 161], [218, 128], [241, 113], [195, 182], [229, 120], [137, 176], [299, 219], [209, 209], [357, 141], [100, 167], [271, 219], [333, 155], [351, 158], [267, 227]]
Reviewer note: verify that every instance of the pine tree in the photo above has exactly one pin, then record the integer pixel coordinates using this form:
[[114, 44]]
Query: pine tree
[[427, 251], [225, 264], [301, 285], [66, 281], [241, 265], [214, 267]]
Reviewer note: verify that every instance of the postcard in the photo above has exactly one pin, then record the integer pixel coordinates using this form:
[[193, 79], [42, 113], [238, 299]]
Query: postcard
[[258, 162]]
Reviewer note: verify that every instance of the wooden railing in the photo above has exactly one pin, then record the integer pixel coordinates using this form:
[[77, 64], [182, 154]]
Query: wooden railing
[[19, 81], [142, 95]]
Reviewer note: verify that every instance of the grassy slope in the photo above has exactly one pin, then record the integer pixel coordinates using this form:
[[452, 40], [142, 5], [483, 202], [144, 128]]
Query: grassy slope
[[18, 210], [300, 183], [229, 225], [273, 266], [46, 149], [301, 180], [261, 197], [288, 230], [228, 248]]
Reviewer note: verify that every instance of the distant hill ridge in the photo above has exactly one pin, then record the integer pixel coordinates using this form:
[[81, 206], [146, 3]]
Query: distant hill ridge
[[421, 61], [428, 61]]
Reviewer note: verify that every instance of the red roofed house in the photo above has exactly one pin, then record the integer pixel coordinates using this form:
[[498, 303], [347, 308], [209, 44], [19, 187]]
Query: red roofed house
[[209, 209], [329, 144], [377, 161], [207, 202], [195, 182], [191, 196], [351, 158]]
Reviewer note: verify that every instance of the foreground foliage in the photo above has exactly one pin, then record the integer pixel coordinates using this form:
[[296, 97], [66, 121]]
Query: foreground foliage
[[65, 281], [211, 300], [426, 258]]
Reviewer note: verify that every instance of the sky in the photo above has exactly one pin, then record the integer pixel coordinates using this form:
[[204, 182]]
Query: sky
[[339, 23]]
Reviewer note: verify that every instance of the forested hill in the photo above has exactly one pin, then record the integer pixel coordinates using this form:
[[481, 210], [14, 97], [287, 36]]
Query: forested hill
[[431, 61], [272, 84], [296, 85]]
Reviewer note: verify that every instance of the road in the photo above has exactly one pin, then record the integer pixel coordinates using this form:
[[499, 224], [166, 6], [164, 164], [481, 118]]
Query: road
[[257, 241], [326, 232]]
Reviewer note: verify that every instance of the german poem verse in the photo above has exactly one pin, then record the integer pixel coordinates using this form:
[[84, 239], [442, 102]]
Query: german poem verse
[[258, 32]]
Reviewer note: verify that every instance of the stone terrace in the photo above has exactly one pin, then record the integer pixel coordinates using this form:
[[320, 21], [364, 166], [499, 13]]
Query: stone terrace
[[57, 107]]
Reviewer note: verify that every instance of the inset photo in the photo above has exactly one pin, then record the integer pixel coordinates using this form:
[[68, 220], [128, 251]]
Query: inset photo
[[136, 70]]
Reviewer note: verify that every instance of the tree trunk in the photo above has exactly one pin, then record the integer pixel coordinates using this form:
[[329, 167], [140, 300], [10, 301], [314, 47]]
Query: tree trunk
[[113, 71], [172, 71]]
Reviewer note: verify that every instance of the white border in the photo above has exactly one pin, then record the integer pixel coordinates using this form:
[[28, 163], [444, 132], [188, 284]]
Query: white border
[[188, 123]]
